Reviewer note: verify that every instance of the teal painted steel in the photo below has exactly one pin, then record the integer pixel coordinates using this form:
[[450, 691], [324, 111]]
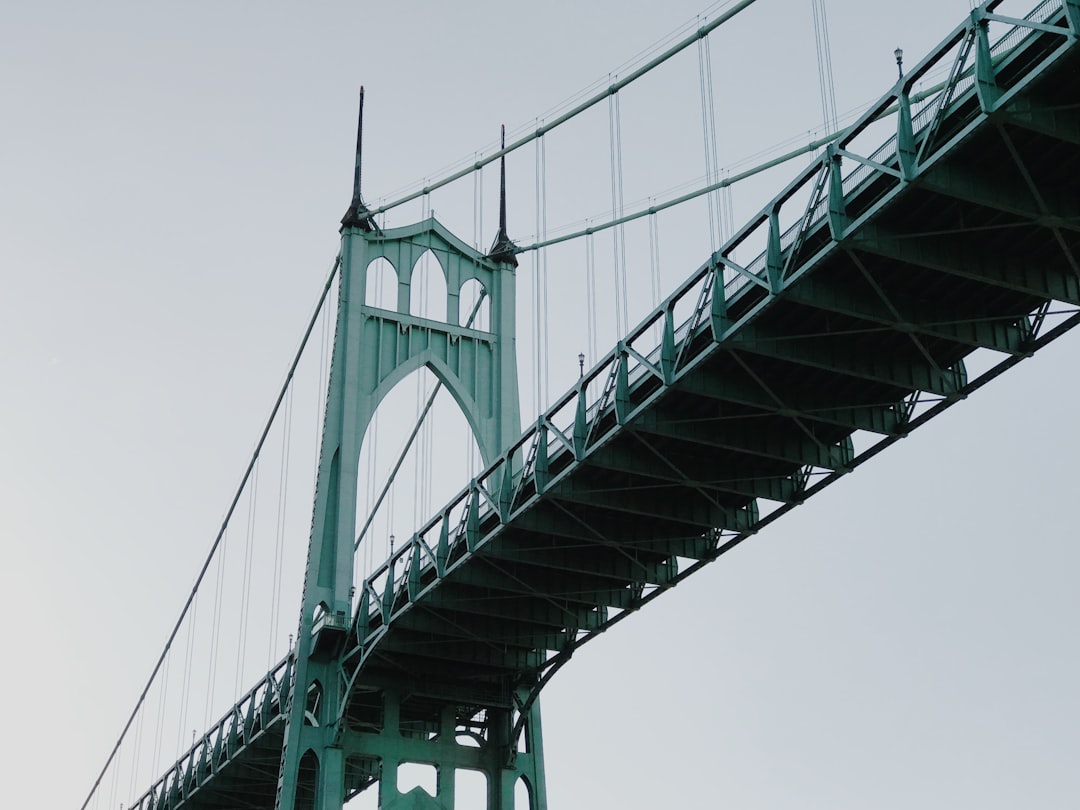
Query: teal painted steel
[[374, 350], [882, 273]]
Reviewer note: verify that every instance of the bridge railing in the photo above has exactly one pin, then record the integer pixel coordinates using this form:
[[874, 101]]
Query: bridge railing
[[659, 346], [248, 718], [928, 109]]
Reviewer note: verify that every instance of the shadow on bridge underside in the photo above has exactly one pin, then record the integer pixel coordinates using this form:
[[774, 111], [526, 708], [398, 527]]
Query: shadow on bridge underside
[[750, 389]]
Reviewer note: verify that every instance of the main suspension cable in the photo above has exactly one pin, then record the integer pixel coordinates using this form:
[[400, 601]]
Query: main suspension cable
[[726, 182], [592, 101]]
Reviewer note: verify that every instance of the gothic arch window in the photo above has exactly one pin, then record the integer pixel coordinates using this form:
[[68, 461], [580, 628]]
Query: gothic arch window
[[381, 285], [471, 298], [427, 297]]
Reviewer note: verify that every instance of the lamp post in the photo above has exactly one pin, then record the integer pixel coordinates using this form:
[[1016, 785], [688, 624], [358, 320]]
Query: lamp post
[[899, 54], [581, 364]]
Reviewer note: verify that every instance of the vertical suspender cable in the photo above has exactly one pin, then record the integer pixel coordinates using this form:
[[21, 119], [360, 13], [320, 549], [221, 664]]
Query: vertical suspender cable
[[419, 454], [615, 138], [422, 460], [475, 216], [538, 338], [826, 83], [427, 465], [478, 232], [279, 544], [546, 362], [185, 683], [245, 593], [373, 431], [112, 787], [369, 495], [373, 454], [425, 459], [321, 394], [729, 210], [726, 224], [590, 291], [614, 214], [594, 338], [136, 760], [373, 465], [418, 457], [215, 630], [390, 517], [623, 273], [162, 694], [654, 265], [709, 143]]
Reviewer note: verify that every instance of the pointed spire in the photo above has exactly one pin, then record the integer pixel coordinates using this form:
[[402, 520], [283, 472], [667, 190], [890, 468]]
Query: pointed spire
[[359, 146], [503, 249], [358, 215]]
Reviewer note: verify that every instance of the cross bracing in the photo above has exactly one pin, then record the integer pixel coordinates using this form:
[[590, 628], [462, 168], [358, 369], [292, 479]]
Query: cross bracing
[[956, 235]]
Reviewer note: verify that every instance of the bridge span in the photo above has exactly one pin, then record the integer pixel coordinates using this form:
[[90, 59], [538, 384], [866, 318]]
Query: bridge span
[[888, 269]]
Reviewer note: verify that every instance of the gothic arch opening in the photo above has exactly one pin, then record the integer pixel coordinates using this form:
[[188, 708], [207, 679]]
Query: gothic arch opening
[[471, 299], [427, 290], [313, 708], [431, 469], [381, 285], [307, 780], [523, 794]]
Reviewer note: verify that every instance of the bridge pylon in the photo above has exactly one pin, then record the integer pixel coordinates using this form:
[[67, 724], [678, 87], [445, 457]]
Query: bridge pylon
[[346, 731]]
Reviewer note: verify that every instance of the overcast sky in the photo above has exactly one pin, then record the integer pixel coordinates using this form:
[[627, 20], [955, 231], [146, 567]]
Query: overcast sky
[[171, 181]]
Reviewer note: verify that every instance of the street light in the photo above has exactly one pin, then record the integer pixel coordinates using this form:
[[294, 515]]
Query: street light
[[899, 54], [581, 364]]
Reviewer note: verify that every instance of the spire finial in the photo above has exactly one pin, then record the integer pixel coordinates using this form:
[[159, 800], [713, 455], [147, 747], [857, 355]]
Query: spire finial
[[358, 215], [502, 250], [359, 147]]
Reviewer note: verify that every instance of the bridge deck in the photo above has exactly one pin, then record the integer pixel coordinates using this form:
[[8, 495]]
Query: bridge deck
[[746, 392], [858, 324]]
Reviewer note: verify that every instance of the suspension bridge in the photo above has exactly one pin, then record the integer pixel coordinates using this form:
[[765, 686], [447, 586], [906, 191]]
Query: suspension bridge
[[925, 249]]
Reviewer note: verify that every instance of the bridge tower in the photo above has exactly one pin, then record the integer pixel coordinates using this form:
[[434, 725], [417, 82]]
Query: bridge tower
[[332, 750]]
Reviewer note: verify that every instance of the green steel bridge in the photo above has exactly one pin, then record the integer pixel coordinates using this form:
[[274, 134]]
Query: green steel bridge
[[748, 390]]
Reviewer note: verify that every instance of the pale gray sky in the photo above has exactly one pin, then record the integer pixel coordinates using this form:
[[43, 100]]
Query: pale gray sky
[[171, 179]]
